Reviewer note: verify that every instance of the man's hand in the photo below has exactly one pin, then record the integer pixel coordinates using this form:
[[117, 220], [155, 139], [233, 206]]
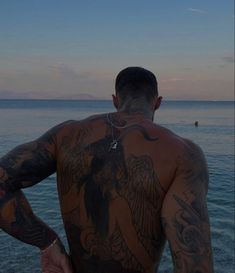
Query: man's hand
[[54, 259]]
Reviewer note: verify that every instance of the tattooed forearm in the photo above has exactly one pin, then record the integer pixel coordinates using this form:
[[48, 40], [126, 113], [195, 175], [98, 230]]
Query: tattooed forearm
[[18, 220], [193, 242], [22, 167], [187, 223]]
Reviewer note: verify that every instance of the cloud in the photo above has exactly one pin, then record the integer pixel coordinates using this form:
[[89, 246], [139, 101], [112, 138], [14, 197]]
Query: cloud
[[80, 96], [12, 94], [56, 81], [174, 79], [228, 59], [197, 10], [63, 71]]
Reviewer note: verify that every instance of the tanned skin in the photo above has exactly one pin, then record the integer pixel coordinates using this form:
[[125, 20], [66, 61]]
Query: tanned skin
[[119, 203]]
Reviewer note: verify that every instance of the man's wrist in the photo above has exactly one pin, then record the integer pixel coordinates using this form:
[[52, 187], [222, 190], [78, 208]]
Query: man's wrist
[[49, 238], [56, 243], [43, 250]]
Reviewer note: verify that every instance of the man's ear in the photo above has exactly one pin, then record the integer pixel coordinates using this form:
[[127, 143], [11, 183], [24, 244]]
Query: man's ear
[[158, 102], [115, 101]]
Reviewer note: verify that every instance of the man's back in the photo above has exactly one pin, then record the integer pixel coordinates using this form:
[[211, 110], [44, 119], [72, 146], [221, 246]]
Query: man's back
[[111, 196]]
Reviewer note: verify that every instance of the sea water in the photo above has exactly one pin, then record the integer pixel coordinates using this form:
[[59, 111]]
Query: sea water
[[25, 120]]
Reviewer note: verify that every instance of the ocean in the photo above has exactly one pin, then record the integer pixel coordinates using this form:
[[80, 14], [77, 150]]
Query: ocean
[[24, 120]]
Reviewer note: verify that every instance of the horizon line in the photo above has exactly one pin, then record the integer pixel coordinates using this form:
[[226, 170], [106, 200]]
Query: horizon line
[[103, 99]]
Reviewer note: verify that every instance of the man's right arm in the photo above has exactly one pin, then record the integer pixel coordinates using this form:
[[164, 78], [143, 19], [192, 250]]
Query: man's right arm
[[23, 167], [184, 214]]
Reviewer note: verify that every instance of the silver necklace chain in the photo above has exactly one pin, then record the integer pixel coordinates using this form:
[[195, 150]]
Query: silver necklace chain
[[114, 144], [116, 126]]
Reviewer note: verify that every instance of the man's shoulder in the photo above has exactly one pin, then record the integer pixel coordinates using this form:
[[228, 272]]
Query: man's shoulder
[[69, 124], [181, 144], [191, 163], [70, 127], [169, 139], [180, 148], [191, 150], [187, 151]]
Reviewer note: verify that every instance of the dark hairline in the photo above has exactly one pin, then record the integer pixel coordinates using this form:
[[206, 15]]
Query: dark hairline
[[136, 81]]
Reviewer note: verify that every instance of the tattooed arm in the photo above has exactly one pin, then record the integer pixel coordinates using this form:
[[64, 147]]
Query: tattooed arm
[[23, 167], [184, 214]]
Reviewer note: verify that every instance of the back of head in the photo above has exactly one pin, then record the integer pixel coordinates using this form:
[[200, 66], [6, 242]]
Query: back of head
[[136, 82]]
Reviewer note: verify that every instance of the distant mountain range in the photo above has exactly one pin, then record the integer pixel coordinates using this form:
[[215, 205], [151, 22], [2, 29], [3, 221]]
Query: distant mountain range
[[8, 94]]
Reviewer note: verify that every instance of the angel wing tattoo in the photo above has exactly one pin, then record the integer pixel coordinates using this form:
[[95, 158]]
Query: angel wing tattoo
[[118, 206]]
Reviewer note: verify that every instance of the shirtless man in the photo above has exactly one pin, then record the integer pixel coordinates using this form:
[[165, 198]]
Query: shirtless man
[[125, 185]]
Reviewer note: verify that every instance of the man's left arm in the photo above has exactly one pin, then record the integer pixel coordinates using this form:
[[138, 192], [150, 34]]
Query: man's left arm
[[185, 218]]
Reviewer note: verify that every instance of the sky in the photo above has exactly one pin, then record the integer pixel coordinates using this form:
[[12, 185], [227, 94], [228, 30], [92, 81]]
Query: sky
[[73, 49]]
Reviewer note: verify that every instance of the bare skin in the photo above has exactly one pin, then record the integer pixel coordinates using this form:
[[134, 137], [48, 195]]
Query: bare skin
[[125, 185]]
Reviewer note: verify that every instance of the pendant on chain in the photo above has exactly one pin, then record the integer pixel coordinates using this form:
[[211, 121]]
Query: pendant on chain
[[113, 145]]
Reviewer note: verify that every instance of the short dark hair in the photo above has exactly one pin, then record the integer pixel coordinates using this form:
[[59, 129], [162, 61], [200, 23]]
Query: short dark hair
[[135, 82]]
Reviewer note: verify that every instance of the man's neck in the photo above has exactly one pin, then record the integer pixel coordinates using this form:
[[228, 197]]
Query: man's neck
[[137, 107]]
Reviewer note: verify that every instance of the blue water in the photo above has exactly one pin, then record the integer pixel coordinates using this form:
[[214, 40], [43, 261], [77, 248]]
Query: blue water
[[22, 121]]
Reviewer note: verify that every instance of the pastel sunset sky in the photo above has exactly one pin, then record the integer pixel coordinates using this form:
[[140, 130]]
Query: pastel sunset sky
[[71, 49]]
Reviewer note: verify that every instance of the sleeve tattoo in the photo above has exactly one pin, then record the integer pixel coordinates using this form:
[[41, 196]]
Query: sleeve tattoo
[[23, 167], [185, 217]]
